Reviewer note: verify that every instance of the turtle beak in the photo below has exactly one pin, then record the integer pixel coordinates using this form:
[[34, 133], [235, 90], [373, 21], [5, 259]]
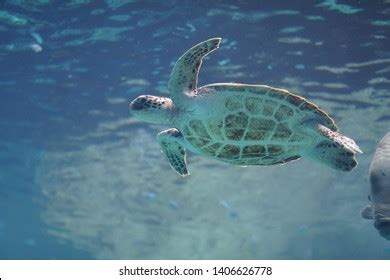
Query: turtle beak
[[151, 109], [135, 106], [138, 103]]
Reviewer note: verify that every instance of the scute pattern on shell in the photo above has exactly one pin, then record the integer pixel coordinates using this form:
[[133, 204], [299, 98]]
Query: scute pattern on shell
[[255, 130], [268, 101]]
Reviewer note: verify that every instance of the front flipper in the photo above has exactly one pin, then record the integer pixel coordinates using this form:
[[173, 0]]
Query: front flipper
[[184, 76], [171, 142]]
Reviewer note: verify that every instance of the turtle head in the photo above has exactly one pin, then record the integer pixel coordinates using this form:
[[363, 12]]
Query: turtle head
[[152, 109]]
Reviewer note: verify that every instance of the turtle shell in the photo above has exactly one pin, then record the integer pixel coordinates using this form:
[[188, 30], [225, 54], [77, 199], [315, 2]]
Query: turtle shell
[[254, 125]]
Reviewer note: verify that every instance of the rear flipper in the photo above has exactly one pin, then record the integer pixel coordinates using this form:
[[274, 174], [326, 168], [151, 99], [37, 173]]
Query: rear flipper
[[339, 139], [336, 150], [171, 142]]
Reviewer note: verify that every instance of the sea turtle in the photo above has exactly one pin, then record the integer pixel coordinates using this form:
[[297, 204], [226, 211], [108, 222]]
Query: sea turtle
[[379, 208], [240, 124]]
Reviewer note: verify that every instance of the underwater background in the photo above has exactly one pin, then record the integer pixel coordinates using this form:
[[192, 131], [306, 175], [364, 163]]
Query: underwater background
[[81, 179]]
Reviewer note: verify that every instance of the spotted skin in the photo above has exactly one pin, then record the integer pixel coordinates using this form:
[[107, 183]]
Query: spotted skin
[[171, 143], [337, 150], [184, 77], [152, 102]]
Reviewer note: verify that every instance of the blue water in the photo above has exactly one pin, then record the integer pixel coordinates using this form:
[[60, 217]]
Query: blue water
[[81, 179]]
